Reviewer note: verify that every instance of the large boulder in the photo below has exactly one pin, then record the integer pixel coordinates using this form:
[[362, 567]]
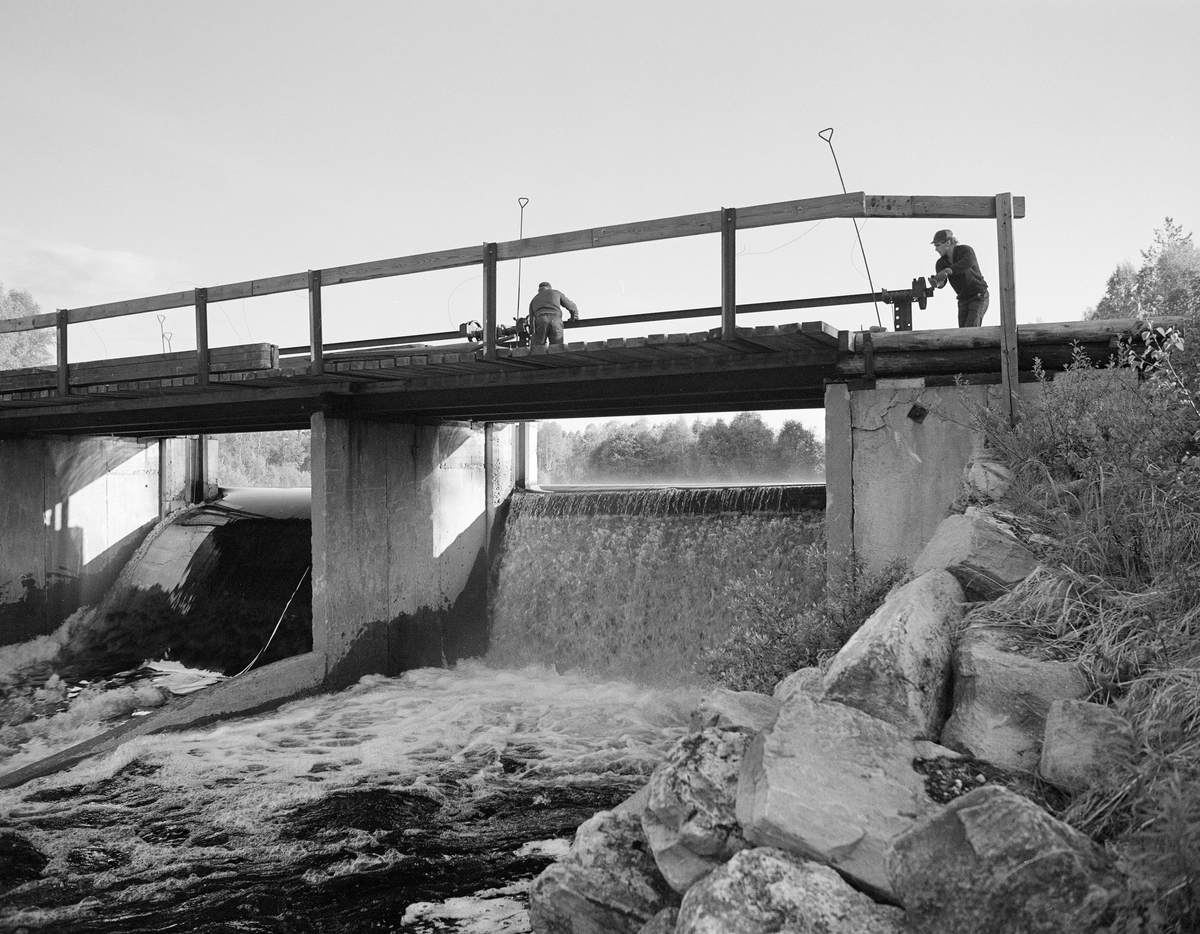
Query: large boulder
[[690, 819], [1083, 742], [986, 559], [727, 710], [1001, 698], [606, 884], [993, 862], [766, 890], [897, 665], [809, 679], [834, 784]]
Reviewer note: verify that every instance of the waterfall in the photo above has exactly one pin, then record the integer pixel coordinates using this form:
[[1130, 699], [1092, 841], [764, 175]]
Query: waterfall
[[635, 584]]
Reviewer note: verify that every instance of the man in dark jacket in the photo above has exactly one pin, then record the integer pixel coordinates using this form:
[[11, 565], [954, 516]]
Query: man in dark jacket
[[546, 309], [958, 265]]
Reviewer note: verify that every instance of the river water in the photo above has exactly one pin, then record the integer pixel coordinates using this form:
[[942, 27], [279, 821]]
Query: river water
[[425, 802]]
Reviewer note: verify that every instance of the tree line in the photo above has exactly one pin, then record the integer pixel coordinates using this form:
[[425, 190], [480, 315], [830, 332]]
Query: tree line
[[742, 450]]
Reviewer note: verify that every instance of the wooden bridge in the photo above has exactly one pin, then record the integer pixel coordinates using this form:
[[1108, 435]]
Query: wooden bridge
[[442, 376]]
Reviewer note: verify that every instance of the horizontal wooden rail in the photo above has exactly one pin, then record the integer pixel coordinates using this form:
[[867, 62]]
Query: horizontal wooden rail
[[855, 204], [606, 321]]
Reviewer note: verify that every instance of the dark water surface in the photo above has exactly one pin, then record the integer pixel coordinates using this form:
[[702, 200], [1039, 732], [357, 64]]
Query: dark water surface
[[338, 813]]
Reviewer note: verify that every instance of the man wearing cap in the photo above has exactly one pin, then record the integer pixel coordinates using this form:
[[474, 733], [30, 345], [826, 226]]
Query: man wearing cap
[[958, 265], [546, 309]]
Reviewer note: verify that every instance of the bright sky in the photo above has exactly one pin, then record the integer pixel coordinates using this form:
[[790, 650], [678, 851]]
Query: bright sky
[[152, 146]]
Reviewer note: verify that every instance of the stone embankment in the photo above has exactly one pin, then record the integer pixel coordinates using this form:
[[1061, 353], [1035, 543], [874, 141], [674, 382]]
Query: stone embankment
[[861, 798]]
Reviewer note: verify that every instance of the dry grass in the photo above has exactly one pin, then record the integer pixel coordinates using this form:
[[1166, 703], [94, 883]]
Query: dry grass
[[1106, 462]]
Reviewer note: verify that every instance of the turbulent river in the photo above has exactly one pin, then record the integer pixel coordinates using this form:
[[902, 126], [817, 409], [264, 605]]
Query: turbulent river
[[426, 802]]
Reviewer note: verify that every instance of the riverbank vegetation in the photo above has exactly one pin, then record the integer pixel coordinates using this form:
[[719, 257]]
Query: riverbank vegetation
[[1105, 466]]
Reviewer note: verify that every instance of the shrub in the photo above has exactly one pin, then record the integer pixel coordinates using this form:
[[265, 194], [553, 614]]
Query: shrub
[[770, 640]]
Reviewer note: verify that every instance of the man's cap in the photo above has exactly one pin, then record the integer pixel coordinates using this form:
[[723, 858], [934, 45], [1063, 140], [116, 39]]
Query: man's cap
[[543, 285], [942, 235]]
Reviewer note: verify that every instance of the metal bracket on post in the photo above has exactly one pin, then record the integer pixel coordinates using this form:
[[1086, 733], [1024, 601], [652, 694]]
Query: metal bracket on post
[[316, 349], [489, 301], [728, 273], [202, 356], [64, 372]]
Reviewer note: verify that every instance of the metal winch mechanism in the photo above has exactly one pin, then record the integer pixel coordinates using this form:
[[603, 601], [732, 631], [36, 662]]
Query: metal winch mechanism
[[516, 334], [902, 302]]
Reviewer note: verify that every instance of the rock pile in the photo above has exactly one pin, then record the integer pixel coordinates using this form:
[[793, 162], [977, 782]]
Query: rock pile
[[862, 798]]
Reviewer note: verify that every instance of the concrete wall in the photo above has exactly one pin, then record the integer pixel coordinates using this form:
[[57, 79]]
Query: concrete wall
[[400, 532], [72, 512], [895, 452]]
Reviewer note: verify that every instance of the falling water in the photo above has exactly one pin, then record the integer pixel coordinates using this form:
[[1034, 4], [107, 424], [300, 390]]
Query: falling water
[[636, 584]]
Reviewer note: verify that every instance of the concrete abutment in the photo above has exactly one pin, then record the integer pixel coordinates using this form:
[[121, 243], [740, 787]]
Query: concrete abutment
[[895, 453]]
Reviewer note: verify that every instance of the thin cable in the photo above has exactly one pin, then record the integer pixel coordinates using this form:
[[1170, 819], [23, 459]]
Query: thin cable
[[287, 606], [743, 252], [829, 140], [449, 316], [521, 236]]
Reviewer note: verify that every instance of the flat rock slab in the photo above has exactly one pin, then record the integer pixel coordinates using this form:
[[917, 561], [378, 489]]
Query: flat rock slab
[[897, 665], [765, 890], [727, 710], [1083, 742], [833, 784], [1001, 698], [993, 862], [987, 560]]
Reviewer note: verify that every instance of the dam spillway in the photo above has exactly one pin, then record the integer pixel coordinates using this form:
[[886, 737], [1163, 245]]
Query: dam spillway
[[636, 584]]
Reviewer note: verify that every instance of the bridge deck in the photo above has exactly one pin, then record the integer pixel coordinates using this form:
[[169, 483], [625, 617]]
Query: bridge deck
[[250, 388]]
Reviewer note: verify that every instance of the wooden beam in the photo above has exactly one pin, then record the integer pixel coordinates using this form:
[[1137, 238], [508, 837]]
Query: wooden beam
[[1008, 307], [728, 273], [805, 209], [1061, 332], [316, 345], [28, 322], [202, 357], [947, 207], [64, 370], [853, 204], [489, 301]]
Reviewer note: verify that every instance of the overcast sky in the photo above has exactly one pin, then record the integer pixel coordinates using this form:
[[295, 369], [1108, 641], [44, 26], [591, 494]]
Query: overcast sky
[[153, 146]]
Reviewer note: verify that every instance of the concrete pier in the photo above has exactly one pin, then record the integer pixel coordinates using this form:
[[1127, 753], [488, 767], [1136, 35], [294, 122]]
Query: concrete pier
[[72, 513]]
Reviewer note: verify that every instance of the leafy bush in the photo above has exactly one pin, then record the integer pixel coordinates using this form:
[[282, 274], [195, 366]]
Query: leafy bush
[[770, 639]]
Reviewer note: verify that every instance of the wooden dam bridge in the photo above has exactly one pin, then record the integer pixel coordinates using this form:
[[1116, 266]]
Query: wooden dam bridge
[[443, 376]]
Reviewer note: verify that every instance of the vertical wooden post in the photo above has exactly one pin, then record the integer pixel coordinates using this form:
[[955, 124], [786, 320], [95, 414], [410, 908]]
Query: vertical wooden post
[[64, 381], [202, 358], [728, 273], [489, 300], [1009, 373], [316, 347]]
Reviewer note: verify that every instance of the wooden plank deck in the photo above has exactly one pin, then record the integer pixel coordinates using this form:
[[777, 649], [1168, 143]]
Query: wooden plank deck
[[777, 366]]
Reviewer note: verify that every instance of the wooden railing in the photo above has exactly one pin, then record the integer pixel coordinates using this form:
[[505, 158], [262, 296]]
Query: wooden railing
[[725, 222]]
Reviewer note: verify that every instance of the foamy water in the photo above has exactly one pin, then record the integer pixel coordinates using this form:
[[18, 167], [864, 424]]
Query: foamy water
[[340, 791]]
